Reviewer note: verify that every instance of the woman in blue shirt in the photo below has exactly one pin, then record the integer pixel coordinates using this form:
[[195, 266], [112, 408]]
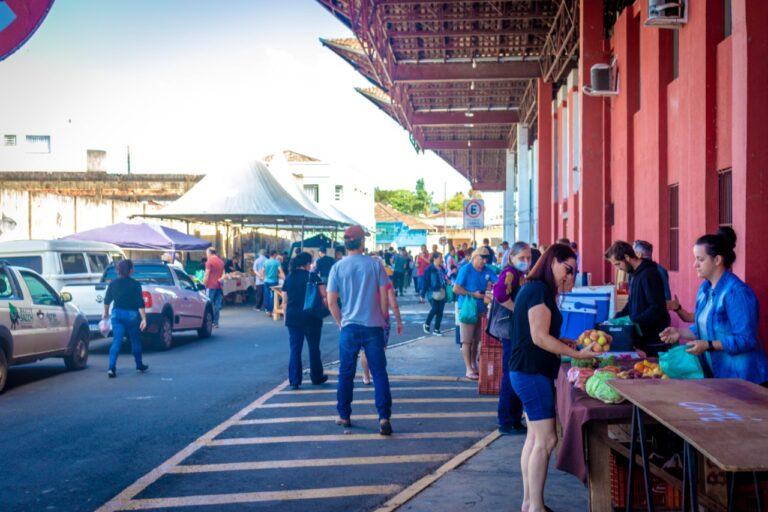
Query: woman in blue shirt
[[727, 312]]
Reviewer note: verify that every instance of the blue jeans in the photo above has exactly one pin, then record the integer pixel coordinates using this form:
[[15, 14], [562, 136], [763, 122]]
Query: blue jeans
[[125, 321], [296, 337], [371, 340], [216, 295], [510, 406], [269, 299], [537, 392], [435, 313]]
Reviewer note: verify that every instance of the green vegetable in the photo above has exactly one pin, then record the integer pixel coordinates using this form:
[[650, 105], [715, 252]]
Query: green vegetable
[[598, 387], [583, 363], [608, 361]]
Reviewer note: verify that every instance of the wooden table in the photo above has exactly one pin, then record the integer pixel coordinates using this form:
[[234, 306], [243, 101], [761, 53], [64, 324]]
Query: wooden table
[[726, 420], [277, 302]]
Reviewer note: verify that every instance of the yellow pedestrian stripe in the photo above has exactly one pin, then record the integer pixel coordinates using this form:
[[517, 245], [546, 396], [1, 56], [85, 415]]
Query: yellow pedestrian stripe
[[255, 497], [416, 377], [342, 437], [399, 401], [370, 388], [311, 463], [404, 416]]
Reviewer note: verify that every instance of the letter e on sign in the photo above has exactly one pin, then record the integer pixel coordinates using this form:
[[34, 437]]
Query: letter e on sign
[[474, 214]]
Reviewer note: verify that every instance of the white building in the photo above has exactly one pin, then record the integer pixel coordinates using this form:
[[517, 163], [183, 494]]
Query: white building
[[346, 189]]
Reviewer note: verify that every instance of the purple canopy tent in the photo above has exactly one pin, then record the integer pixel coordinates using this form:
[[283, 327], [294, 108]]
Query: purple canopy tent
[[143, 236]]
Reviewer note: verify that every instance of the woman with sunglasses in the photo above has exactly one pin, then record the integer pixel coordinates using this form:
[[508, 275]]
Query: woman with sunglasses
[[535, 361], [647, 305]]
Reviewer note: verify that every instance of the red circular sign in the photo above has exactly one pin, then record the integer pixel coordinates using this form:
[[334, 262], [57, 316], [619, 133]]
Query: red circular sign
[[18, 21]]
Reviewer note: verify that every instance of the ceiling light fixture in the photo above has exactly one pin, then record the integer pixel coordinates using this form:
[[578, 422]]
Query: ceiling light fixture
[[469, 113]]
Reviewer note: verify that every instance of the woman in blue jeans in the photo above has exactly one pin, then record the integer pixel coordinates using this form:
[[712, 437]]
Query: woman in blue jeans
[[128, 315], [535, 361]]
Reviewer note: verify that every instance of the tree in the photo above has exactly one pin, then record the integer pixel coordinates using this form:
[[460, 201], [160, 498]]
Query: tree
[[456, 203], [406, 201]]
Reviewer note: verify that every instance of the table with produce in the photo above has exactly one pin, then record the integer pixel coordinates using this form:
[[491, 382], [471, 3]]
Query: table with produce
[[594, 426]]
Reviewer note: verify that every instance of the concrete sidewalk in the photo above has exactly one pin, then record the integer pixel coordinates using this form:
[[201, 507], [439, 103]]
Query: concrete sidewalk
[[491, 479]]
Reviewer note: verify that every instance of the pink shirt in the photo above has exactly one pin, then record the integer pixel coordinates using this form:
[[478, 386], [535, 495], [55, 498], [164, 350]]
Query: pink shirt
[[215, 268]]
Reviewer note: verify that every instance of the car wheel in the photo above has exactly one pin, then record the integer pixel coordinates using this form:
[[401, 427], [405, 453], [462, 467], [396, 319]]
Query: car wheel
[[3, 370], [206, 329], [78, 359], [164, 337]]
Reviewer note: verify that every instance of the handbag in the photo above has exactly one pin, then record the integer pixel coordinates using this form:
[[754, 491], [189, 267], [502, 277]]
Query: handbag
[[680, 364], [499, 321], [314, 305], [439, 294], [468, 311], [449, 293]]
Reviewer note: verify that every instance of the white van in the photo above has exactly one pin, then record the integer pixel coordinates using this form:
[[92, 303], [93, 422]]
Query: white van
[[62, 262]]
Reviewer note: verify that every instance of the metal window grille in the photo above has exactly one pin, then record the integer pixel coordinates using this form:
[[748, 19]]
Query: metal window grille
[[339, 192], [9, 140], [555, 160], [675, 54], [313, 191], [38, 143], [727, 20], [725, 197], [674, 227]]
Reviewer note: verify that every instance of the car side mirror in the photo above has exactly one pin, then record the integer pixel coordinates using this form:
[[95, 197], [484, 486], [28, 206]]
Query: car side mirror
[[66, 297]]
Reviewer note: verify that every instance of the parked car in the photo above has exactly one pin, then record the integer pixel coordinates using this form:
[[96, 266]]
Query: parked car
[[171, 300], [62, 262], [37, 323]]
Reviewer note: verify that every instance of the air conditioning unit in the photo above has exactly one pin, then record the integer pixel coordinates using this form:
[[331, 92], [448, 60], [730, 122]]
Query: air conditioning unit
[[604, 80], [667, 13]]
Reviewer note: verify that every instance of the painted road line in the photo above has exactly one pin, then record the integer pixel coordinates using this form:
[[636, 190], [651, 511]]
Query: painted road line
[[370, 388], [311, 463], [405, 416], [412, 490], [255, 497], [236, 441], [121, 501], [399, 401], [417, 377]]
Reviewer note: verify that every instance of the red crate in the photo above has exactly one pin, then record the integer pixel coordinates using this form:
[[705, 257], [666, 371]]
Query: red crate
[[485, 338], [491, 369], [665, 495]]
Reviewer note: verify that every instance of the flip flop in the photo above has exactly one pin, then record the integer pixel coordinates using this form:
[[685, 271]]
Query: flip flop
[[472, 376]]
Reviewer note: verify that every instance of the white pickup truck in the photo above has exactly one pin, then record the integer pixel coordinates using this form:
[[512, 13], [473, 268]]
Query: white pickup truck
[[37, 323], [172, 301]]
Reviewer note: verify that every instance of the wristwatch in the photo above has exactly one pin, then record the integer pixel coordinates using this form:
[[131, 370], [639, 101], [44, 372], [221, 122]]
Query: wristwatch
[[710, 346]]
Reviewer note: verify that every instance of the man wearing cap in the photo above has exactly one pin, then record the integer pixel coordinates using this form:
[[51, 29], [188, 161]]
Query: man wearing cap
[[361, 284]]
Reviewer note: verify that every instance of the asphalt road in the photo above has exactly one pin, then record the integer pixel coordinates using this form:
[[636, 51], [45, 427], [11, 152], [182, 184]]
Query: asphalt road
[[73, 440]]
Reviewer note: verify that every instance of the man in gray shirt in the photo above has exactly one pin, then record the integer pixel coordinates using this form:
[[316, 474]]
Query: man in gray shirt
[[361, 284]]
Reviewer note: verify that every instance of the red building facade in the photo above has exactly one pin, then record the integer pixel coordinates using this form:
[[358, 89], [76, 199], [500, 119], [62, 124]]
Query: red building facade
[[679, 151]]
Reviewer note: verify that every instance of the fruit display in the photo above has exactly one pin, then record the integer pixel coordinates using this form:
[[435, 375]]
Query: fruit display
[[601, 339], [643, 370], [579, 376], [597, 387]]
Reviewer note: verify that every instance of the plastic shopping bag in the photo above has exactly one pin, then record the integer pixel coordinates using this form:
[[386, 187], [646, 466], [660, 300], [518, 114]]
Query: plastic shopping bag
[[679, 364], [468, 311], [105, 327]]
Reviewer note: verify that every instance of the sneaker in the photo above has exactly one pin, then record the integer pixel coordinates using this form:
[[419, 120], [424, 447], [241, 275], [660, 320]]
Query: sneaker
[[512, 429], [142, 368], [385, 428], [426, 328], [437, 333], [111, 373], [343, 423], [322, 380]]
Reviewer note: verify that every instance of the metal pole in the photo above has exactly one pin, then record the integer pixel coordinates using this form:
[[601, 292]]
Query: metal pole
[[301, 244]]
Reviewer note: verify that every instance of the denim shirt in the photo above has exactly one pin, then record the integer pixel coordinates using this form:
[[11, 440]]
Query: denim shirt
[[733, 320]]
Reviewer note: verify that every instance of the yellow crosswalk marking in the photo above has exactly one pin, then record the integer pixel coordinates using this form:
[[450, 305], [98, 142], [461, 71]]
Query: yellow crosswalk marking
[[254, 497], [310, 463], [398, 401], [404, 416], [370, 388], [341, 437]]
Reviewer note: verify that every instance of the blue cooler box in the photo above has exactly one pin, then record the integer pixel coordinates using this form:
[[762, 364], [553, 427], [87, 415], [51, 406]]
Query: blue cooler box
[[577, 318]]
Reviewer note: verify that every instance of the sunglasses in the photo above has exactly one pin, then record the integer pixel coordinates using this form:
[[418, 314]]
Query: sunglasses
[[569, 271]]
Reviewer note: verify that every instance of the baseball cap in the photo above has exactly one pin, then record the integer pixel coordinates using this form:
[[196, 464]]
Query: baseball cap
[[354, 233]]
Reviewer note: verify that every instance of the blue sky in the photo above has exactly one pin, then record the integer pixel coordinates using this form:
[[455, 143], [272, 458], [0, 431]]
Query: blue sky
[[194, 85]]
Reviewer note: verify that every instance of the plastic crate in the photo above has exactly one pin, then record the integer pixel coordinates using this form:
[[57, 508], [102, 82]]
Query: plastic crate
[[665, 495], [491, 368], [485, 338]]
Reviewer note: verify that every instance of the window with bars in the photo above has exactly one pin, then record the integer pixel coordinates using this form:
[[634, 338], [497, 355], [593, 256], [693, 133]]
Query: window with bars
[[313, 191], [555, 160], [675, 54], [38, 143], [725, 198], [9, 140], [339, 193], [674, 227]]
